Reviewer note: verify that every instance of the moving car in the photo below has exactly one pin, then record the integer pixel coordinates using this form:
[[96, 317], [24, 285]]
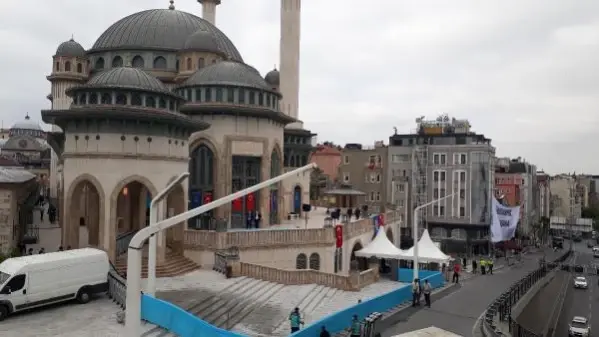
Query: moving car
[[33, 281], [580, 282], [579, 327]]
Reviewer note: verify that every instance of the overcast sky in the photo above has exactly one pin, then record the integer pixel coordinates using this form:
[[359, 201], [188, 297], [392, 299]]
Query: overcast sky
[[526, 73]]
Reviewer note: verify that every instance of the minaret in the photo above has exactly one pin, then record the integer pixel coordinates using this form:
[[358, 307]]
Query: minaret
[[290, 57], [209, 10]]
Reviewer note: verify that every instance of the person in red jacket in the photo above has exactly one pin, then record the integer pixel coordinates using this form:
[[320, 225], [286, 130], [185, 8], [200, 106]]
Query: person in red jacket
[[456, 273]]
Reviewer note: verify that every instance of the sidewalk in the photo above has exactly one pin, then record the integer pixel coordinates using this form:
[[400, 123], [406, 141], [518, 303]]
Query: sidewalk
[[459, 310]]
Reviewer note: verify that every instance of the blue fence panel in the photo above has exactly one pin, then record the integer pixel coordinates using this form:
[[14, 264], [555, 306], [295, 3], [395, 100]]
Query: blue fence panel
[[406, 275], [184, 324], [179, 321], [342, 320]]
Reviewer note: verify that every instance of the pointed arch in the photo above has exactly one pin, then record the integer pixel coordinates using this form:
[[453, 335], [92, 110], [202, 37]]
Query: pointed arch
[[70, 234], [202, 183], [126, 181]]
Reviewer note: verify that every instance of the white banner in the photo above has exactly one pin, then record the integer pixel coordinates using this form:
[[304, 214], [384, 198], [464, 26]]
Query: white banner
[[504, 220]]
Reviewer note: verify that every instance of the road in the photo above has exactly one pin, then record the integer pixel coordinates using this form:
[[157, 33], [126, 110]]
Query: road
[[581, 302], [459, 311]]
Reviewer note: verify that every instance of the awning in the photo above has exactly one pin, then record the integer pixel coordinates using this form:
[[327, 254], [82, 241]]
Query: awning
[[380, 247], [427, 251]]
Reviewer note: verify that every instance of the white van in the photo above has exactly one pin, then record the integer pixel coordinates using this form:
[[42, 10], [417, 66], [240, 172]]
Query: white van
[[37, 280]]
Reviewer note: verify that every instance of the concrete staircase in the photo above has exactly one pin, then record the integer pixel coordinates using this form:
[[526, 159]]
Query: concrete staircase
[[173, 265]]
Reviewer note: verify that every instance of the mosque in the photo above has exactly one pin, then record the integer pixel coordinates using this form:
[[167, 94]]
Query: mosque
[[163, 92]]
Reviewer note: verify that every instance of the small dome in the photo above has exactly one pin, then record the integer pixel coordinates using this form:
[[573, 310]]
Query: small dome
[[27, 124], [70, 48], [127, 78], [228, 73], [202, 41], [273, 77]]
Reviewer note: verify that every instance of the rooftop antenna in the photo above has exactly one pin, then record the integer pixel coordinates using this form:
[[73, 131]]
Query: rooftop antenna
[[172, 5], [395, 130], [27, 116]]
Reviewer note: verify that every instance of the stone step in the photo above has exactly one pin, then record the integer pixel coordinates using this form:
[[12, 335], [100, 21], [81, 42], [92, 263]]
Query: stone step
[[233, 315], [226, 298], [204, 304], [172, 266], [306, 306], [152, 330]]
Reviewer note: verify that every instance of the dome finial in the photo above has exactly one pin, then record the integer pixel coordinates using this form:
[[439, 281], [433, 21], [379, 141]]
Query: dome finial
[[172, 5], [27, 116]]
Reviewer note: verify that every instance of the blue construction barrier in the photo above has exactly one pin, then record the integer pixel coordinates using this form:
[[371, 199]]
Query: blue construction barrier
[[341, 320], [179, 321], [184, 324], [406, 275]]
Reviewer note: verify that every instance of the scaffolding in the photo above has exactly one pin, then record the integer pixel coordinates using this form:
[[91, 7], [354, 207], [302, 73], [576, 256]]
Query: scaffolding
[[419, 182]]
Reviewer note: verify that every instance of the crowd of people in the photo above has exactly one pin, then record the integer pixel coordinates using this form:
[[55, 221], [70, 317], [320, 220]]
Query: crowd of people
[[42, 250]]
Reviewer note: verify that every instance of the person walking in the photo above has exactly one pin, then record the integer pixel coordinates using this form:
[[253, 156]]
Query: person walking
[[456, 273], [295, 320], [490, 264], [427, 293], [355, 327], [415, 292], [474, 266]]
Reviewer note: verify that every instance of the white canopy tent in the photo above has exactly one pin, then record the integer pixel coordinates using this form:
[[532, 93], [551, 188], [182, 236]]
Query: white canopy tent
[[427, 251], [380, 247]]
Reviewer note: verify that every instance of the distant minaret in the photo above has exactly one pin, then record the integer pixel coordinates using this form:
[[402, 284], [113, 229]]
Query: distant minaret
[[209, 10], [290, 58]]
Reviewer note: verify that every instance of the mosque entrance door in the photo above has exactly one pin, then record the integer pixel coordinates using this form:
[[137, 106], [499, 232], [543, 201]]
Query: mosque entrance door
[[246, 173]]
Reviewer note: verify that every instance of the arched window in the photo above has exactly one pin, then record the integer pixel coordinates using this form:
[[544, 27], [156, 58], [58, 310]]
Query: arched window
[[150, 102], [136, 99], [79, 68], [219, 94], [301, 261], [201, 183], [275, 164], [209, 95], [57, 66], [117, 61], [99, 63], [252, 97], [230, 95], [241, 93], [93, 98], [198, 97], [121, 99], [162, 103], [106, 98], [260, 98], [201, 63], [159, 63], [314, 261], [177, 65], [138, 62], [67, 66], [188, 63]]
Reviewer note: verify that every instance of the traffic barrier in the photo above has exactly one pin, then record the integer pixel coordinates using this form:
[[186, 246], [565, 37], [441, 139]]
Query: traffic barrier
[[341, 320], [184, 324]]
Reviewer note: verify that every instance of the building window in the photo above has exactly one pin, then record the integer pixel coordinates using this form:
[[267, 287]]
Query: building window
[[150, 102], [301, 261], [372, 177], [401, 187], [121, 99], [230, 95], [346, 177], [208, 95], [436, 176], [441, 210], [219, 95], [346, 160], [160, 63], [99, 65], [252, 98], [201, 63], [117, 61], [241, 93], [378, 178], [462, 176], [138, 62], [400, 203], [463, 159], [400, 158], [462, 211], [189, 65], [162, 103], [57, 66], [462, 193], [93, 98], [260, 98], [106, 99], [314, 261], [136, 99], [378, 196], [67, 66], [79, 67]]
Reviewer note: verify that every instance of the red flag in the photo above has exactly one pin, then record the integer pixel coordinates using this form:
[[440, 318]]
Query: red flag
[[207, 197], [237, 205], [250, 202]]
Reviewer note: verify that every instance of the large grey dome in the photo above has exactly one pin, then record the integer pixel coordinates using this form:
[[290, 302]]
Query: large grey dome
[[161, 29], [228, 73], [126, 78], [70, 48], [202, 41]]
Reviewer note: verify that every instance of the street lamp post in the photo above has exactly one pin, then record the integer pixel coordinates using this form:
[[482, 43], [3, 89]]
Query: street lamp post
[[151, 286], [134, 253], [415, 229]]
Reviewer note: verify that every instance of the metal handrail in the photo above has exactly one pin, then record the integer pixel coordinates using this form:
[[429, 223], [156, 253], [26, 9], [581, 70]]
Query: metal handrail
[[503, 304]]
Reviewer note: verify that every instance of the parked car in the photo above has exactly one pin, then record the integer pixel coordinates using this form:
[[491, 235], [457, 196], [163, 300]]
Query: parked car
[[579, 327], [38, 280], [580, 283]]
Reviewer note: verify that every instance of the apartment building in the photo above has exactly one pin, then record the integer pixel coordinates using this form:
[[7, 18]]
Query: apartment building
[[363, 168], [544, 194], [516, 183], [563, 197], [444, 158]]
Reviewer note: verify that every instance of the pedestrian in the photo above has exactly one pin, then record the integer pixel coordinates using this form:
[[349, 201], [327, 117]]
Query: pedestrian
[[42, 214], [490, 264], [324, 332], [427, 293], [482, 267], [60, 249], [355, 327], [295, 320], [258, 219], [456, 273], [253, 220], [41, 251], [474, 266], [30, 251], [415, 293]]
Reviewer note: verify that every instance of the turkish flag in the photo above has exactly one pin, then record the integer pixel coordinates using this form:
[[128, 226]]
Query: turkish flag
[[250, 202], [207, 197], [237, 205], [338, 236], [381, 219]]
